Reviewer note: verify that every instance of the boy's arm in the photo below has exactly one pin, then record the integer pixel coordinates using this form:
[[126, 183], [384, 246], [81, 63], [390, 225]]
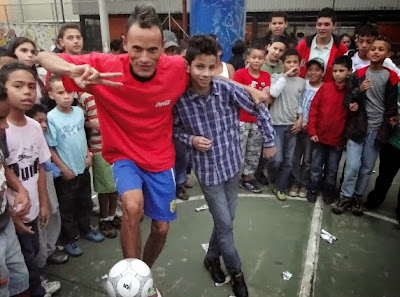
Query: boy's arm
[[67, 173], [353, 91], [44, 214], [178, 131], [313, 115], [22, 202]]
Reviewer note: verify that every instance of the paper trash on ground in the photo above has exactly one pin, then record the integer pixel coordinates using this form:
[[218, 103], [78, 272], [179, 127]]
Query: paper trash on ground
[[205, 246], [203, 207], [286, 275], [325, 235]]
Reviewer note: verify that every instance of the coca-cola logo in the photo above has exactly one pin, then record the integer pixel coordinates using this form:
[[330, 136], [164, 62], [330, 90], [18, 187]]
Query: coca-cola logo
[[165, 103]]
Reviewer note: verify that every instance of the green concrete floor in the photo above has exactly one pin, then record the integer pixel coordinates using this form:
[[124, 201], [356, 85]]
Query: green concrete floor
[[271, 237]]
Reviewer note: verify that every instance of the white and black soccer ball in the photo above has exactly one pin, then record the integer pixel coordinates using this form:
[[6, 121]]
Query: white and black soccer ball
[[130, 278]]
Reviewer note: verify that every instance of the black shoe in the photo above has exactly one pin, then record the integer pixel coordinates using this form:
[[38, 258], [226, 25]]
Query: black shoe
[[106, 228], [357, 208], [312, 196], [262, 179], [249, 186], [214, 266], [238, 285], [343, 204], [58, 257], [181, 193], [116, 222], [329, 198]]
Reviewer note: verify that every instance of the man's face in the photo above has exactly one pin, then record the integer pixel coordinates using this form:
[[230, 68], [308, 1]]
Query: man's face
[[144, 47], [324, 27], [201, 71], [278, 26], [72, 42], [364, 44]]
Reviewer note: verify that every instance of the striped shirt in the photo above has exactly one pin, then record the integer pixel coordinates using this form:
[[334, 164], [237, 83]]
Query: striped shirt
[[216, 117], [88, 104]]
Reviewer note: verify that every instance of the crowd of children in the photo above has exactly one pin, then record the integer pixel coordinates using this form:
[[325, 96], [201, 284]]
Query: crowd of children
[[318, 103]]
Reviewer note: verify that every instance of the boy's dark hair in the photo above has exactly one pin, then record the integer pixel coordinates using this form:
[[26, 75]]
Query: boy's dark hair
[[257, 46], [327, 12], [53, 78], [201, 45], [386, 40], [65, 27], [343, 60], [115, 45], [3, 93], [291, 52], [280, 39], [344, 35], [238, 47], [368, 30], [146, 17], [10, 68], [37, 108], [278, 14]]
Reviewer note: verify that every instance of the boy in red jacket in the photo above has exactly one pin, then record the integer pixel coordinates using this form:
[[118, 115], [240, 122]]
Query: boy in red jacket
[[326, 123]]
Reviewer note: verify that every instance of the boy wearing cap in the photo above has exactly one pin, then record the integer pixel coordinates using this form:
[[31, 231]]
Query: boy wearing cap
[[326, 127], [302, 153], [170, 43]]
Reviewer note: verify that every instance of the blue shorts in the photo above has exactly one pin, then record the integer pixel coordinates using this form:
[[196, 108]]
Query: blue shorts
[[158, 188]]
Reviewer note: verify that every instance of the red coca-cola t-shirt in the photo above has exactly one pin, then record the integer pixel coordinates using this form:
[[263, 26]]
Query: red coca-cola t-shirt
[[136, 119]]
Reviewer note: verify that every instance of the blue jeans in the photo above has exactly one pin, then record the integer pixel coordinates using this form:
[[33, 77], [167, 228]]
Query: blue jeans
[[360, 161], [302, 160], [280, 165], [181, 162], [325, 159], [222, 201]]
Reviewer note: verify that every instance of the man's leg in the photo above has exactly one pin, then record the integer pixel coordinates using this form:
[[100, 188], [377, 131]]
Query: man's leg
[[155, 242]]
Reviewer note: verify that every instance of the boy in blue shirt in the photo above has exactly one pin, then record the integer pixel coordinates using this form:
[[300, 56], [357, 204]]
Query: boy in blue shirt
[[206, 118], [67, 141]]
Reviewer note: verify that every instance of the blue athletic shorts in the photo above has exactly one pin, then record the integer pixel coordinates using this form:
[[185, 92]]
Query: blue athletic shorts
[[158, 188]]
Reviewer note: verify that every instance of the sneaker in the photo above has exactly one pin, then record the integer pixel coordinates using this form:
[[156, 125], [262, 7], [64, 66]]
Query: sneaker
[[189, 183], [280, 195], [294, 191], [181, 193], [106, 228], [356, 207], [58, 257], [312, 196], [262, 179], [329, 198], [239, 285], [116, 222], [343, 204], [73, 249], [214, 266], [249, 186], [303, 192], [94, 236], [51, 287]]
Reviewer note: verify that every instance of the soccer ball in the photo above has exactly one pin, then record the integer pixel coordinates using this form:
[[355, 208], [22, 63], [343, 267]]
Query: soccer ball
[[130, 278]]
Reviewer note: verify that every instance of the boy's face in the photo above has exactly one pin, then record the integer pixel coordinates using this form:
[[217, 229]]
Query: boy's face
[[4, 111], [276, 51], [21, 89], [291, 62], [72, 42], [59, 94], [340, 73], [278, 26], [378, 52], [41, 118], [324, 27], [315, 73], [364, 44], [201, 71], [256, 59], [144, 47], [26, 53]]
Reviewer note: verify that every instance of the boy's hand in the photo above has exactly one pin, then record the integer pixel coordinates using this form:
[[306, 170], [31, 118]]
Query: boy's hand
[[353, 106], [269, 152], [365, 85], [85, 75], [20, 226], [44, 216], [88, 161], [68, 174], [201, 143], [297, 126], [22, 204], [393, 121], [260, 96], [292, 72], [314, 138]]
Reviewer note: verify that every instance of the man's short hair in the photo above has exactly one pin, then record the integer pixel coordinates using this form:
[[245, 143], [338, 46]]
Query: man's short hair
[[145, 16], [278, 14], [344, 60], [201, 45], [368, 30], [65, 27], [327, 12]]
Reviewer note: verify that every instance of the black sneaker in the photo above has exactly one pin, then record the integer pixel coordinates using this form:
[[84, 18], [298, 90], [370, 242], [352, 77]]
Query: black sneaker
[[357, 207], [262, 179], [181, 193], [238, 285], [116, 222], [312, 196], [249, 186], [329, 198], [106, 228], [58, 257], [343, 204], [214, 266]]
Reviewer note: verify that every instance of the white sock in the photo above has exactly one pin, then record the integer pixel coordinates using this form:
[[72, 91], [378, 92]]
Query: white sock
[[110, 218]]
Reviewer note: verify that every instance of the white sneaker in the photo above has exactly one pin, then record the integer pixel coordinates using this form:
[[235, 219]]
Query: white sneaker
[[96, 206], [294, 191], [303, 192], [50, 287]]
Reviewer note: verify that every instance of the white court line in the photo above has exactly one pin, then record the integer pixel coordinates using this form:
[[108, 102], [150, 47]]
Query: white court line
[[382, 217]]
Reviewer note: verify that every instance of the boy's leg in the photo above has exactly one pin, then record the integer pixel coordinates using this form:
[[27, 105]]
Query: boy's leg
[[297, 157], [275, 162], [353, 163], [306, 164], [181, 161], [332, 164], [389, 164], [317, 165], [244, 136]]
